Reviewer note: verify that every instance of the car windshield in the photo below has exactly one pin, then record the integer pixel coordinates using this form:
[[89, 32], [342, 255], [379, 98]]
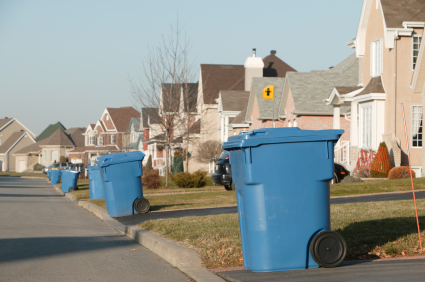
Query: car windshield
[[224, 156], [53, 165]]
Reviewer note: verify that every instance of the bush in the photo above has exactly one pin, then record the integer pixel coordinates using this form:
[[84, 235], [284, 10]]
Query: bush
[[400, 172], [38, 167], [149, 164], [151, 179], [381, 165], [188, 180]]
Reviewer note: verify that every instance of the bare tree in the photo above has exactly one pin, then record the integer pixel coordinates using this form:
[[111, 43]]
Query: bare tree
[[168, 74], [209, 151]]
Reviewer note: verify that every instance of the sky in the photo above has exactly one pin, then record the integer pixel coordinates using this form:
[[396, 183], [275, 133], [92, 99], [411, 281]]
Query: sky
[[67, 60]]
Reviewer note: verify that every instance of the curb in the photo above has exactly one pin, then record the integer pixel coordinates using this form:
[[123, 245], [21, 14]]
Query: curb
[[185, 259]]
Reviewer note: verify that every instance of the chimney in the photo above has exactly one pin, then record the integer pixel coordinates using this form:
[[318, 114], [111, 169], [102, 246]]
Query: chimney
[[253, 68]]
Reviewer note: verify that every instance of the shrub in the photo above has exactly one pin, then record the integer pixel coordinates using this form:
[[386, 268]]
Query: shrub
[[381, 165], [149, 164], [188, 180], [400, 172], [38, 167], [151, 179]]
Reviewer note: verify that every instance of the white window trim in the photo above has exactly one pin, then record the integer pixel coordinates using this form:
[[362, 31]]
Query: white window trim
[[411, 125], [100, 141], [373, 58], [413, 39], [361, 127], [91, 140], [112, 139]]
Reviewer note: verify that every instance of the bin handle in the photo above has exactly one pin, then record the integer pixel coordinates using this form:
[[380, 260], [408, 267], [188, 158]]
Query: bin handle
[[258, 131]]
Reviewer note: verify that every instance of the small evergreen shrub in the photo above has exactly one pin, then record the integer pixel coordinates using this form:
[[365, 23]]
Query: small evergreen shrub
[[38, 167], [381, 165], [151, 179], [400, 172], [149, 164], [188, 180]]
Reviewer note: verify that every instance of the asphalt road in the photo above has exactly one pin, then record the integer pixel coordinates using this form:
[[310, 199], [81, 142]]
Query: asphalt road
[[412, 270], [45, 237]]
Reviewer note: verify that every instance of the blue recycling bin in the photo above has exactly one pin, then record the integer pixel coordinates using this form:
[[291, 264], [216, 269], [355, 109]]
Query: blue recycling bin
[[69, 180], [55, 176], [282, 180], [97, 191], [121, 175]]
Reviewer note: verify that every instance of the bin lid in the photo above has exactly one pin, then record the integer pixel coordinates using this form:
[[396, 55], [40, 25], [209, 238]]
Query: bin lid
[[262, 136], [70, 171], [117, 158]]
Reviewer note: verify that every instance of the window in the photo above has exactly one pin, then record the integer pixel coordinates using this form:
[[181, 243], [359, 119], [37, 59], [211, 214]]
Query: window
[[133, 136], [45, 155], [416, 45], [91, 140], [112, 139], [366, 131], [54, 156], [376, 58], [416, 126], [100, 141]]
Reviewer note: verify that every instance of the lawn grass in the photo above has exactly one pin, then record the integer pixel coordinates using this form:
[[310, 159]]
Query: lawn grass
[[186, 201], [372, 230], [376, 186], [32, 174]]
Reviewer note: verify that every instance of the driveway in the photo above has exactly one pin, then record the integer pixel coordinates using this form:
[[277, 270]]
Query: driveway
[[45, 237]]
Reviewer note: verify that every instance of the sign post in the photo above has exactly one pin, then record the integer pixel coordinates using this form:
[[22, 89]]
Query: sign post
[[268, 93]]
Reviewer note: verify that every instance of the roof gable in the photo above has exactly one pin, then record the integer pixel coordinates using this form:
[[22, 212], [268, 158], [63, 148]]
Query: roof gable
[[49, 131], [265, 106], [11, 141], [58, 138], [274, 66], [234, 100], [4, 122], [121, 117]]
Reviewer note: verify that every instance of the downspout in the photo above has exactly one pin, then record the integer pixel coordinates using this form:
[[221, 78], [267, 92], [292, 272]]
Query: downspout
[[395, 85]]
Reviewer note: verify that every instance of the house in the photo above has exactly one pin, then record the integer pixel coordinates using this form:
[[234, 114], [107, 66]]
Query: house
[[168, 124], [13, 137], [216, 79], [52, 148], [388, 47], [49, 131], [136, 136], [108, 135]]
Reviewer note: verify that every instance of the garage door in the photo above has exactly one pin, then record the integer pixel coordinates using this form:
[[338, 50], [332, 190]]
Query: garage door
[[22, 166]]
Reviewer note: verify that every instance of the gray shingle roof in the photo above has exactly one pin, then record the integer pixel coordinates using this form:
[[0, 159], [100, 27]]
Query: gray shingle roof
[[265, 105], [76, 135], [374, 86], [58, 138], [33, 148], [136, 123], [309, 89], [397, 11], [150, 115], [239, 119], [234, 100], [10, 141]]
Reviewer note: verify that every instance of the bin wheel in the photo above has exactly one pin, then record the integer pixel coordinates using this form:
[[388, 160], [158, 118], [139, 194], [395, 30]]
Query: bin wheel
[[328, 248], [335, 179], [142, 205], [230, 187], [70, 190]]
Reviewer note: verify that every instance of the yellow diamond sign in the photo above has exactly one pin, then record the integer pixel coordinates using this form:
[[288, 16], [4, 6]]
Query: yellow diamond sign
[[268, 92]]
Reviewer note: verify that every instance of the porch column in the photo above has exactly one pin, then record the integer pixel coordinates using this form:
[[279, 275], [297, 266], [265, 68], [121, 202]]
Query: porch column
[[222, 129], [337, 115], [226, 128], [354, 131]]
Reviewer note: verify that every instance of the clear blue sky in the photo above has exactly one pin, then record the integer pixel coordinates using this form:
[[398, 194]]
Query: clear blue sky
[[68, 60]]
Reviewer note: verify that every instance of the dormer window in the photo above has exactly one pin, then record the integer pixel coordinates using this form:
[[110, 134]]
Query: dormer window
[[91, 140], [416, 45], [376, 58]]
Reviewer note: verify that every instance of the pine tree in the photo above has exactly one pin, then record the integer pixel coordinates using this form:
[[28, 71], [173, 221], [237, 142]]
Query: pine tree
[[149, 164], [381, 165]]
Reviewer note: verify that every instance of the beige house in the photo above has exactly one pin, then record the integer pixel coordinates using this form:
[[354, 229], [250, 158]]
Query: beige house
[[387, 45], [13, 137]]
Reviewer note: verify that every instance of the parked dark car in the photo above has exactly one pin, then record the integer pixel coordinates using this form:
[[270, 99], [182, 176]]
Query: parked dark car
[[223, 173], [339, 173]]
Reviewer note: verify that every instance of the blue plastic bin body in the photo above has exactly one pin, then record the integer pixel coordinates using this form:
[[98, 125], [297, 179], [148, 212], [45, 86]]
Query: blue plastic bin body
[[282, 185], [97, 191], [69, 179], [121, 175], [55, 176]]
